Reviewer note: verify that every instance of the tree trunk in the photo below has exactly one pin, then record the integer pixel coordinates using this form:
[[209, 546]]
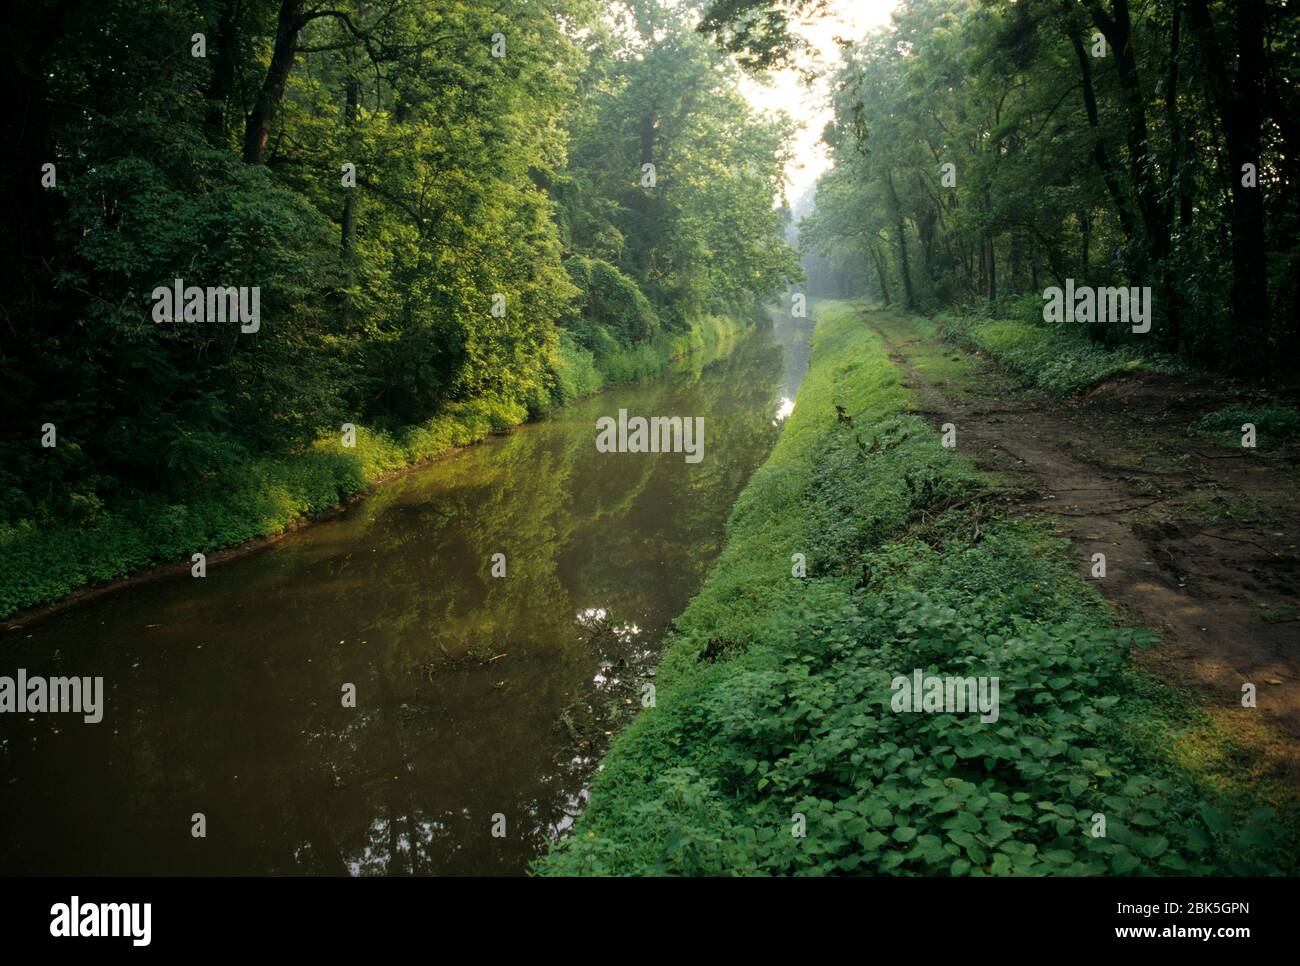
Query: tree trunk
[[28, 32], [880, 273], [1178, 186], [348, 221], [1099, 153], [901, 228], [222, 81], [1085, 230], [991, 266], [257, 132], [1118, 30], [1239, 103], [1016, 268]]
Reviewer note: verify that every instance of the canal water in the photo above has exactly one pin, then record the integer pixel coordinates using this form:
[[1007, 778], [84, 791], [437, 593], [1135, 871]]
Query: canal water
[[482, 702]]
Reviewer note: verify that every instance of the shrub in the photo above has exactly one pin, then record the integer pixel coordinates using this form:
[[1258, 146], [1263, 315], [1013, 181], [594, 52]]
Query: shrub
[[576, 374], [611, 301], [1274, 423], [1059, 360]]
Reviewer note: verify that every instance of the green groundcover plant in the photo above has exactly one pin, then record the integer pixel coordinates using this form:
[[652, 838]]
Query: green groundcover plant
[[773, 710], [1060, 360]]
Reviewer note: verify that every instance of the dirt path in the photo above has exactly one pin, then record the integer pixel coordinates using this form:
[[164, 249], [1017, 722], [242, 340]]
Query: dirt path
[[1200, 540]]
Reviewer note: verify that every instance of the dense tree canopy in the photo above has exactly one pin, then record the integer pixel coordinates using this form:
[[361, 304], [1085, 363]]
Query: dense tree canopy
[[990, 148], [427, 194]]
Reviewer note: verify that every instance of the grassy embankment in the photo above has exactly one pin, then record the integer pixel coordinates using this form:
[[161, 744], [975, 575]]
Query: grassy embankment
[[40, 563], [1062, 360], [774, 696], [1059, 358]]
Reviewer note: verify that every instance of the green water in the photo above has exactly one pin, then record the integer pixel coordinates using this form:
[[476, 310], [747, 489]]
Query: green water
[[223, 696]]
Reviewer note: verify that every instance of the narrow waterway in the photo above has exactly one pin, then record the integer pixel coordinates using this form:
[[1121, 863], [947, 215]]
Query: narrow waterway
[[481, 701]]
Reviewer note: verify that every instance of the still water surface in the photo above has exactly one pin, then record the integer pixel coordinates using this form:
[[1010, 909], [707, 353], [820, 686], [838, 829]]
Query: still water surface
[[476, 696]]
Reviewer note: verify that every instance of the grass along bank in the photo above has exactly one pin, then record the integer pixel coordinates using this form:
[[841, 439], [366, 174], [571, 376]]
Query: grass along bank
[[1062, 360], [1059, 358], [42, 562], [773, 703]]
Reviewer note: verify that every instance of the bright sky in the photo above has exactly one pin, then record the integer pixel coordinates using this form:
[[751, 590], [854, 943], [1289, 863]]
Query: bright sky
[[846, 18]]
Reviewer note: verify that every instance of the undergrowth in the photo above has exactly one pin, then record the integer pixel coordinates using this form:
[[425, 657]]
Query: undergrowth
[[1274, 423], [42, 561], [1060, 360], [773, 706]]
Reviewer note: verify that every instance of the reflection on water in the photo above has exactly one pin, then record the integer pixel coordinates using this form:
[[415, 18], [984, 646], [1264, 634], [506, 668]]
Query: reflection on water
[[223, 695]]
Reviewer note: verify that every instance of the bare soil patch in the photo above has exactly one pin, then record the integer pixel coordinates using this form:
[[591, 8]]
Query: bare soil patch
[[1201, 540]]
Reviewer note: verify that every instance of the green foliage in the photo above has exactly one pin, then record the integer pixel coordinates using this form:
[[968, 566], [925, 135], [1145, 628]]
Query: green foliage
[[774, 696], [1274, 423], [243, 501], [623, 364], [576, 374], [609, 300], [982, 150], [1059, 360], [757, 31], [705, 237], [435, 299]]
